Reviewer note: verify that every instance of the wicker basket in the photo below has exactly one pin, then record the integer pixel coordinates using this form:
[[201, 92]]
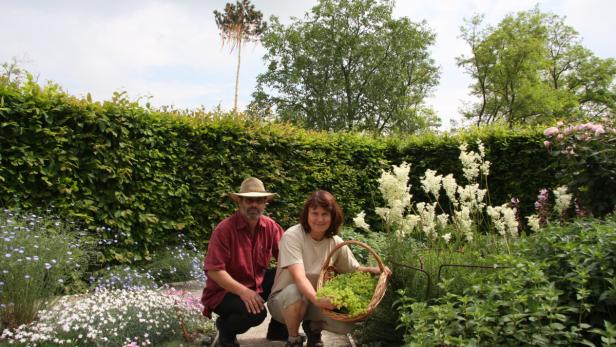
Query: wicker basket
[[379, 291]]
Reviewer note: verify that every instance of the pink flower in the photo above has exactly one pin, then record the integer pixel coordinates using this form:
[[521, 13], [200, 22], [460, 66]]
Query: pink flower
[[550, 131], [547, 144]]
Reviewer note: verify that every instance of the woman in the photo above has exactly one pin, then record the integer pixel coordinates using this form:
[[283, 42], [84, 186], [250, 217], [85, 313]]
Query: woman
[[302, 252]]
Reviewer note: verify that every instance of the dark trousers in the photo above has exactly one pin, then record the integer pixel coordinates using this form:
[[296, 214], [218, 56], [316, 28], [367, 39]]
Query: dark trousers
[[234, 318]]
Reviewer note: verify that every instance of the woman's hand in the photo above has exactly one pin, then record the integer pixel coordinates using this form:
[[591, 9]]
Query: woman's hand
[[375, 270], [325, 303], [387, 271]]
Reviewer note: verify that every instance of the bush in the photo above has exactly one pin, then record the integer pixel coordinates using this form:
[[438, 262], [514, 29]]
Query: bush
[[586, 162], [559, 289], [580, 259], [41, 257], [514, 306], [113, 318]]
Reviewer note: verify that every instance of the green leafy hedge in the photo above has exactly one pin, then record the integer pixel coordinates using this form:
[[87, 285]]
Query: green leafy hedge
[[152, 174]]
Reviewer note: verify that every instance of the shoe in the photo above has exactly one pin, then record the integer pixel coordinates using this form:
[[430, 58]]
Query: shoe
[[314, 336], [296, 342], [223, 340], [276, 331]]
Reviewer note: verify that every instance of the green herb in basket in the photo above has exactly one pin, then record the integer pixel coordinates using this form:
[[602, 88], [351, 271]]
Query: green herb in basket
[[351, 293]]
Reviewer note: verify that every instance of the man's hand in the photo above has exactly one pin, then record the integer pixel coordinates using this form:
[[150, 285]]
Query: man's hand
[[253, 301]]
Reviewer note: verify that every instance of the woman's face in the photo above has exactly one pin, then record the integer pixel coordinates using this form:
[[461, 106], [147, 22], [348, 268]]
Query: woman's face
[[319, 220]]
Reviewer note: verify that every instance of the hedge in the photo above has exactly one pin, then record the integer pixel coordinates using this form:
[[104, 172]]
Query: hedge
[[153, 174]]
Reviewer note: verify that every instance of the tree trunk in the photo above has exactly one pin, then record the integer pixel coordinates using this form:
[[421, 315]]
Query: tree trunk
[[237, 74]]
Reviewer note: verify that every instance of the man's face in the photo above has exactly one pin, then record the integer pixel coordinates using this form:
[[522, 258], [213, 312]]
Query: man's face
[[252, 208]]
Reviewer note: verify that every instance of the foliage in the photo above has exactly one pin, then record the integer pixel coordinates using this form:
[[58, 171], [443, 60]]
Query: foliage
[[348, 66], [147, 176], [580, 259], [179, 263], [586, 156], [138, 178], [515, 306], [112, 318], [41, 257], [376, 241], [239, 23], [532, 68], [557, 288], [351, 293]]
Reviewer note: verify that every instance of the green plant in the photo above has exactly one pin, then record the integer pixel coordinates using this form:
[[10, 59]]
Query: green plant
[[377, 241], [512, 306], [580, 258], [182, 262], [351, 293], [587, 163], [113, 318], [41, 257]]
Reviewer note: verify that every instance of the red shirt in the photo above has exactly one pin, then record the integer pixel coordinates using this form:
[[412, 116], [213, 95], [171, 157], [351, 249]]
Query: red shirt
[[244, 255]]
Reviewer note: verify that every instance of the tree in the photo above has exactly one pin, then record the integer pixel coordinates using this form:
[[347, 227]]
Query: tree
[[348, 65], [532, 68], [238, 24]]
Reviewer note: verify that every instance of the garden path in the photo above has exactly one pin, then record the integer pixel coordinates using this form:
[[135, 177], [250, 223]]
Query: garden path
[[255, 337]]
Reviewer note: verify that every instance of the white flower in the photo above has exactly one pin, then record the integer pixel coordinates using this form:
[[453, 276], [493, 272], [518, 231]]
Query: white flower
[[533, 223], [446, 237], [562, 200], [503, 218], [427, 215], [474, 163], [443, 220], [462, 220], [450, 186], [360, 221], [408, 225], [431, 183]]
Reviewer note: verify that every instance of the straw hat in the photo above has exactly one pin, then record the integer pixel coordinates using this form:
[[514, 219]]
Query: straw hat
[[252, 187]]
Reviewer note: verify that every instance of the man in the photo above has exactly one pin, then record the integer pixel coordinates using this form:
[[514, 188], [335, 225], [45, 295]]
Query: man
[[236, 265]]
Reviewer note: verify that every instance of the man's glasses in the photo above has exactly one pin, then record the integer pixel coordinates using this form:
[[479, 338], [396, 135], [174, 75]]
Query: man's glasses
[[252, 200]]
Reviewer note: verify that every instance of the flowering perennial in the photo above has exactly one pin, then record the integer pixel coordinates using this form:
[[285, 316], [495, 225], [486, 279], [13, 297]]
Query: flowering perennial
[[466, 201], [108, 318]]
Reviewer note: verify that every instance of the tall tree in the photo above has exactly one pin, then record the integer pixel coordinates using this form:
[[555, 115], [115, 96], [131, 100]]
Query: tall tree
[[240, 23], [532, 68], [348, 65]]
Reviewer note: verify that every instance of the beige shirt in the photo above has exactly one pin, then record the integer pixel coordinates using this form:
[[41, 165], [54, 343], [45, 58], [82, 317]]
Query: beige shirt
[[297, 247]]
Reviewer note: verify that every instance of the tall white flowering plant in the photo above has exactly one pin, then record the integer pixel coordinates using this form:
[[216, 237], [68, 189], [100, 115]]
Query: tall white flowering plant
[[544, 210], [467, 203]]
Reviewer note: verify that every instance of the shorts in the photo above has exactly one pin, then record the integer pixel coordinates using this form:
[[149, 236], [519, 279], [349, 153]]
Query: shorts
[[291, 294]]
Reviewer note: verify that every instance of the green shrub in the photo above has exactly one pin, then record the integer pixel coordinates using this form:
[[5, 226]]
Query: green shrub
[[586, 161], [559, 289], [580, 258], [41, 257], [151, 174], [514, 306]]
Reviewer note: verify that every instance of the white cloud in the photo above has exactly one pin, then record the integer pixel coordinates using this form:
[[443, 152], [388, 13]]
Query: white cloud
[[172, 49]]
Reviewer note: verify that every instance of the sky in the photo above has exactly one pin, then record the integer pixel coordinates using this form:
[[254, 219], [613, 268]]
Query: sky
[[170, 52]]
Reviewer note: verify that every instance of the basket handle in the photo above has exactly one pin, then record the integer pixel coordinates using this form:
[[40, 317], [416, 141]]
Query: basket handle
[[351, 242]]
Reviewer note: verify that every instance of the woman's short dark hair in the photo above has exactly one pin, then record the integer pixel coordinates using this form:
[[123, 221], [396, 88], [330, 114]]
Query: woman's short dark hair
[[326, 200]]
